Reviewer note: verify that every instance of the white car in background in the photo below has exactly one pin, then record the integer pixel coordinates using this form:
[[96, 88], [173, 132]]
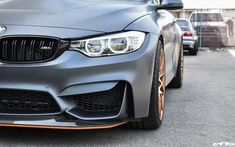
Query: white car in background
[[190, 38], [211, 28]]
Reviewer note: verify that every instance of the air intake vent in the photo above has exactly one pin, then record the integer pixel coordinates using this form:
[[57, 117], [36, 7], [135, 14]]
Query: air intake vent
[[30, 49], [105, 103], [27, 102]]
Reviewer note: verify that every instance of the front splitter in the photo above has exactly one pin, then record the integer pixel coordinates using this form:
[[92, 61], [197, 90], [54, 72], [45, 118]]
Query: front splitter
[[63, 125]]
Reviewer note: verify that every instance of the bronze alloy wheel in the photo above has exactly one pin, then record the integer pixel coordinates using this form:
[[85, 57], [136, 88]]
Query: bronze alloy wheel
[[161, 85]]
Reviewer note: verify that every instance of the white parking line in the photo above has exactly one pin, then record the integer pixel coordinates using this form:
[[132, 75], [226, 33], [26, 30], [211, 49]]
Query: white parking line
[[232, 52]]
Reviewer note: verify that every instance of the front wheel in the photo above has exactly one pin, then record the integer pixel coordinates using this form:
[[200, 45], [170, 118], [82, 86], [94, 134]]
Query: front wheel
[[157, 100]]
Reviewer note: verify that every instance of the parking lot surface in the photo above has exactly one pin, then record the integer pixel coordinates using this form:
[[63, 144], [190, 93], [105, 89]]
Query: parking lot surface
[[201, 113]]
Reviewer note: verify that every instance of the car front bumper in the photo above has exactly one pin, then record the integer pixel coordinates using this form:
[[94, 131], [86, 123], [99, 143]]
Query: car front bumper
[[72, 74]]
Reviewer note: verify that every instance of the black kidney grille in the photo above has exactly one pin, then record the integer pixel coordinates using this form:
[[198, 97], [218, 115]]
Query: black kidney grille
[[101, 103], [27, 102], [30, 49]]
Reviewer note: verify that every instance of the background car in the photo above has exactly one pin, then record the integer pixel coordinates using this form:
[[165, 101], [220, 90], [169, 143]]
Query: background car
[[211, 28], [190, 38], [76, 64]]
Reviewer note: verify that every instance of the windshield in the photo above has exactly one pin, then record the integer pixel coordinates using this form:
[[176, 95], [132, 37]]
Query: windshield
[[206, 17], [183, 23], [185, 29]]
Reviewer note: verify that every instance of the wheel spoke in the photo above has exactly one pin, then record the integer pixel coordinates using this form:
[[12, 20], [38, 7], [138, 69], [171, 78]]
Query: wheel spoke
[[161, 85]]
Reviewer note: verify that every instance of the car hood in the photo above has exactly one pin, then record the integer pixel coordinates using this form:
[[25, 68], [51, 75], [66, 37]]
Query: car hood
[[93, 15]]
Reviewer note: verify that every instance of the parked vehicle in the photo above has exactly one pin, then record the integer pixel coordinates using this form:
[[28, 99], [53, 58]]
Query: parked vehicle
[[190, 38], [76, 64], [211, 28]]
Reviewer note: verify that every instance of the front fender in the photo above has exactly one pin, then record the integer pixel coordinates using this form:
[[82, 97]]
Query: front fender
[[146, 23]]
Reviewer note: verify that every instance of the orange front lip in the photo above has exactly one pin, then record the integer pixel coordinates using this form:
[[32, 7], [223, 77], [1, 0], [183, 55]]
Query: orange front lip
[[64, 128]]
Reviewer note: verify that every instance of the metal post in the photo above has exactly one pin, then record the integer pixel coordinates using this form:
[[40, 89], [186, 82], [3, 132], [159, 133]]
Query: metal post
[[200, 29]]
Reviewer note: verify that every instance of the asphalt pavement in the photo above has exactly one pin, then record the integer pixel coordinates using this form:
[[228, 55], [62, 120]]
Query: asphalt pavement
[[200, 114]]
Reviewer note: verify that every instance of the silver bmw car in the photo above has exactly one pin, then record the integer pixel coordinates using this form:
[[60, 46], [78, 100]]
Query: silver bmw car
[[87, 64], [190, 38]]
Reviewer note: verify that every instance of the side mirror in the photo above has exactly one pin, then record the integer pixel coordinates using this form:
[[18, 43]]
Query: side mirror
[[171, 5]]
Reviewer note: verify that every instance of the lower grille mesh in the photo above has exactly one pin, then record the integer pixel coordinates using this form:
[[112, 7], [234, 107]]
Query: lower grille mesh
[[27, 102], [101, 103]]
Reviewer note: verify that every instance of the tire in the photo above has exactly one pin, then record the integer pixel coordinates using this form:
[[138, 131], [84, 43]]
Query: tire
[[157, 100], [194, 51], [177, 81], [225, 42]]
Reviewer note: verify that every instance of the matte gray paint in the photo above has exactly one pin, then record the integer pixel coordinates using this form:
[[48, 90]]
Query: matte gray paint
[[72, 70], [86, 15]]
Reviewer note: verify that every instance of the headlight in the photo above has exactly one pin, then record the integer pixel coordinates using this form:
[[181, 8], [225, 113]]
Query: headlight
[[110, 45]]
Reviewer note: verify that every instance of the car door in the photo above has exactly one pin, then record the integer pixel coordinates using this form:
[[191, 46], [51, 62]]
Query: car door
[[167, 23], [177, 46]]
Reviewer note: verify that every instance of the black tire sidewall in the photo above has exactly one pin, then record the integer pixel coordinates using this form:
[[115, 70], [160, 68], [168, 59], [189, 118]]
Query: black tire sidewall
[[153, 108]]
